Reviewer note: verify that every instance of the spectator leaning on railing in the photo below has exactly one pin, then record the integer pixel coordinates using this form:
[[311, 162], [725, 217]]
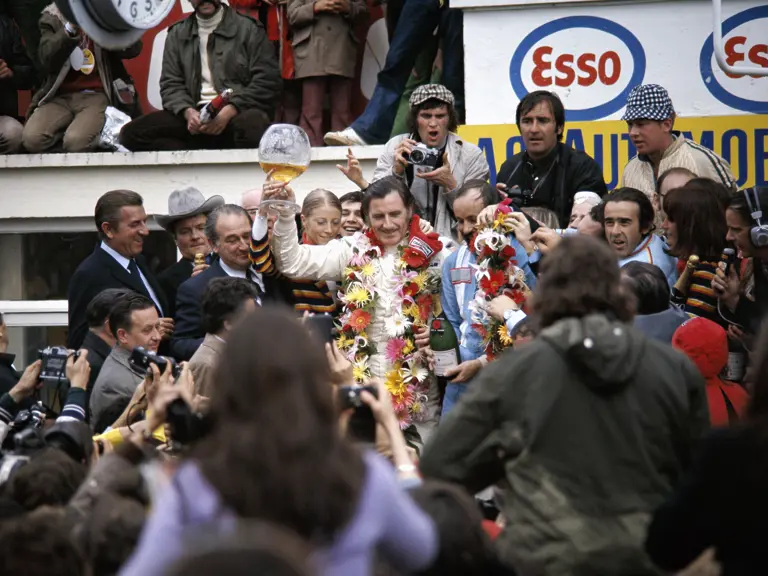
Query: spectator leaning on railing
[[78, 87]]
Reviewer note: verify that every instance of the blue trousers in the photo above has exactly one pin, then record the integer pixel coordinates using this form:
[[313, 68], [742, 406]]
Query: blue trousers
[[452, 394], [417, 22]]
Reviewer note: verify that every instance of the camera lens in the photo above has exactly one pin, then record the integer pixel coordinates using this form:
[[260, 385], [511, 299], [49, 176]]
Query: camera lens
[[417, 156]]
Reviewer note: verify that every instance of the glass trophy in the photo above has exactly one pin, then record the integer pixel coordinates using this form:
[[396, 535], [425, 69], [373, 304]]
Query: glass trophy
[[284, 151]]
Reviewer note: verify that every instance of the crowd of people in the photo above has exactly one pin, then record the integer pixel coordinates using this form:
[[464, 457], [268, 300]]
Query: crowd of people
[[604, 396], [271, 72], [278, 400]]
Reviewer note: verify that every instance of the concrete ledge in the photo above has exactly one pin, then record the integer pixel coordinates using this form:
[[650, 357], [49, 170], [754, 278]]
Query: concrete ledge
[[68, 185]]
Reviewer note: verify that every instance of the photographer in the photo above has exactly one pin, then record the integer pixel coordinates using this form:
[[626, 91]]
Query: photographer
[[432, 123], [548, 173], [20, 396]]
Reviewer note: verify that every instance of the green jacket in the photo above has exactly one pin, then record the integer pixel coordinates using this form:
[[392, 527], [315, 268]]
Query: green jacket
[[240, 57], [586, 429], [54, 51]]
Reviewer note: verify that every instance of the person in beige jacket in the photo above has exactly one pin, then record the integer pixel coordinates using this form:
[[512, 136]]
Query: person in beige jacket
[[650, 118], [225, 301], [325, 54], [433, 123]]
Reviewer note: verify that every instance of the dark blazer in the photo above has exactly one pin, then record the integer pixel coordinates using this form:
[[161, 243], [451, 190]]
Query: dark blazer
[[98, 350], [171, 278], [188, 332], [96, 273], [9, 377]]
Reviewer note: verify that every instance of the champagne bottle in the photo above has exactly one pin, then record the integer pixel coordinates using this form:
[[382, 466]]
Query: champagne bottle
[[680, 289], [444, 344]]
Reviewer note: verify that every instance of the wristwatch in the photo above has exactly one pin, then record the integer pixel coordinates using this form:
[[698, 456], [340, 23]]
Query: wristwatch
[[71, 30]]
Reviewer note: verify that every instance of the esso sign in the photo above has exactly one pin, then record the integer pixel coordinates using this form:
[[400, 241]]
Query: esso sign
[[745, 44], [592, 63]]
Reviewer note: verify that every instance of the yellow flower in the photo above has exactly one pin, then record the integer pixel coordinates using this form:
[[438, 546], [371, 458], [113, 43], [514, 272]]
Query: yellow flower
[[357, 295], [408, 348], [421, 280], [394, 381], [412, 311], [504, 336], [360, 370], [368, 270], [344, 342], [349, 272]]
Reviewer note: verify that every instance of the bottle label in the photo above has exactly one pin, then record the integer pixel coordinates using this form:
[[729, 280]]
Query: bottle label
[[444, 361], [734, 371]]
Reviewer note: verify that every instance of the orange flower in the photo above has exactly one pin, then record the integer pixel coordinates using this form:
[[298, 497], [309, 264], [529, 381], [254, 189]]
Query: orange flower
[[359, 320]]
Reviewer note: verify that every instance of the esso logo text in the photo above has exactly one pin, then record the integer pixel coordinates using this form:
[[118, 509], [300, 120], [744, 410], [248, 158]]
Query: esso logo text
[[592, 63], [744, 44]]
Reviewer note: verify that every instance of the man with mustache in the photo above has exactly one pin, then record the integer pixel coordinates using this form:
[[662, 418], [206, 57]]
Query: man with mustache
[[548, 173], [459, 287], [629, 231], [650, 118], [214, 49]]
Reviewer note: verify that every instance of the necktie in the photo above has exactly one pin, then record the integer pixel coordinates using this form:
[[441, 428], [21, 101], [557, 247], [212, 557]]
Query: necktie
[[133, 268], [252, 279]]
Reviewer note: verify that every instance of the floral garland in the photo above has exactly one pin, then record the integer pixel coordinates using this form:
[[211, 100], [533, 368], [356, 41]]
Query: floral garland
[[415, 289], [496, 274]]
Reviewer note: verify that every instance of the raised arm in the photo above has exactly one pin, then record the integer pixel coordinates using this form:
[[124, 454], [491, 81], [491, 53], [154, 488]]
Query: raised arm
[[300, 261]]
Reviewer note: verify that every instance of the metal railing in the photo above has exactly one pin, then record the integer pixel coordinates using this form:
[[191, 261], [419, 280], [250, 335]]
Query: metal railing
[[717, 40]]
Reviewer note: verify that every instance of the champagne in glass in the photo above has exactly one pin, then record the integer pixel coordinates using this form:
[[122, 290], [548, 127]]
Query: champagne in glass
[[285, 151]]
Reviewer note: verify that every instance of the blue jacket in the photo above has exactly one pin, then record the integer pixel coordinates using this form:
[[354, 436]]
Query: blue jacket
[[471, 344]]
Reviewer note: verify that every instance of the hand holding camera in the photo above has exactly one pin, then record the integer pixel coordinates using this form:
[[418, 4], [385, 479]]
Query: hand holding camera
[[28, 383], [442, 176], [78, 370]]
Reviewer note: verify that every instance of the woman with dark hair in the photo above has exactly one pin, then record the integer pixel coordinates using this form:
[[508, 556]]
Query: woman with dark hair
[[722, 504], [275, 453], [321, 223], [695, 225]]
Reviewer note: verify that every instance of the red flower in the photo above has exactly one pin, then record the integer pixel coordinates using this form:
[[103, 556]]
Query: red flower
[[410, 289], [413, 258], [507, 252], [495, 283], [517, 295], [480, 329], [424, 302], [486, 252], [359, 320]]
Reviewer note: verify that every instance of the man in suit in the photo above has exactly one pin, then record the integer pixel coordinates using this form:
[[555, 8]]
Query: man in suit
[[99, 339], [187, 211], [115, 263], [133, 322], [225, 302], [228, 229]]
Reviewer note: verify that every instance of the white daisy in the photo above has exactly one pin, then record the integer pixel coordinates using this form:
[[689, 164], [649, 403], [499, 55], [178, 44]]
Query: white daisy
[[396, 325]]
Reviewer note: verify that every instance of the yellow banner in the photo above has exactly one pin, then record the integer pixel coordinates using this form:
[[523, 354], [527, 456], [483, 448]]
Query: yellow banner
[[741, 140]]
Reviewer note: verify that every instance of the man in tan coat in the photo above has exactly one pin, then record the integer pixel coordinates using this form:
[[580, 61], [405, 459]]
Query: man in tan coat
[[225, 302], [650, 118]]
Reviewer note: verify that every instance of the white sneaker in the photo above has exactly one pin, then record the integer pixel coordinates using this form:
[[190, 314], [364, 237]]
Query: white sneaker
[[347, 137]]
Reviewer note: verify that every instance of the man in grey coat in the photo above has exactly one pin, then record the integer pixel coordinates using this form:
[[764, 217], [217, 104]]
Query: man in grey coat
[[134, 322], [432, 123]]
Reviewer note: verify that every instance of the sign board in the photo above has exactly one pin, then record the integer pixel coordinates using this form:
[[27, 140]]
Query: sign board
[[592, 56]]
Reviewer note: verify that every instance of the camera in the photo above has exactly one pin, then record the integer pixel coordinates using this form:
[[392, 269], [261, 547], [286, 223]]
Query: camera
[[422, 155], [140, 359], [519, 196], [54, 363], [362, 424]]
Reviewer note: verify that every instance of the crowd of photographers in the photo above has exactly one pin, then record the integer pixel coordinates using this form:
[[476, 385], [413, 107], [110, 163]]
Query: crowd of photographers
[[204, 419]]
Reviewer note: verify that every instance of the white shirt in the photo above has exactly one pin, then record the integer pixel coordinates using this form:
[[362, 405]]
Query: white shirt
[[124, 262], [241, 274], [205, 26]]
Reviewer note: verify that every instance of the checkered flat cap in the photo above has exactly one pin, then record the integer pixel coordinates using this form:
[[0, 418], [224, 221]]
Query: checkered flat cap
[[430, 91], [648, 102]]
